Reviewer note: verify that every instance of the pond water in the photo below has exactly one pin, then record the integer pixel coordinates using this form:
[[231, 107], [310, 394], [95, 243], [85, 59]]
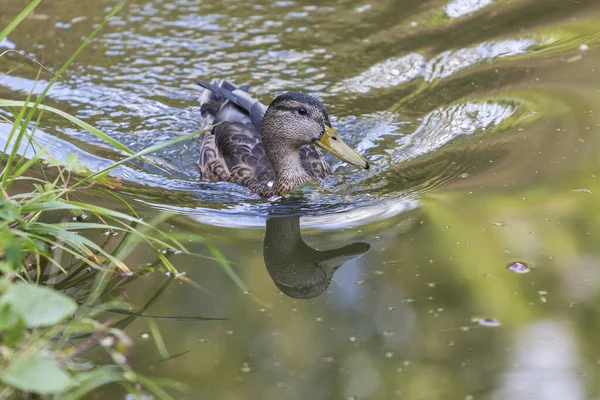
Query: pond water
[[464, 265]]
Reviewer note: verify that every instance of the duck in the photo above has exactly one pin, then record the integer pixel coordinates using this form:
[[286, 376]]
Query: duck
[[270, 150], [298, 270]]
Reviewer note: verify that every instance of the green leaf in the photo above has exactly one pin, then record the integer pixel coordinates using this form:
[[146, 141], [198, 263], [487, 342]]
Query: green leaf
[[12, 325], [91, 380], [37, 375], [38, 306]]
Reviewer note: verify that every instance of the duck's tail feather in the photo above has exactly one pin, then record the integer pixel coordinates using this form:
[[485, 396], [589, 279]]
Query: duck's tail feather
[[210, 101], [229, 91]]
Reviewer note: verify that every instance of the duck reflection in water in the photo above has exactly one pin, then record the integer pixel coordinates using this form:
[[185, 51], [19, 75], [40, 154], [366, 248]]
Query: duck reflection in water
[[297, 269]]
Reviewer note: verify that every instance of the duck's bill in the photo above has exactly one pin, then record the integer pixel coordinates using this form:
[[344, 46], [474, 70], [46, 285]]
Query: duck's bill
[[332, 142]]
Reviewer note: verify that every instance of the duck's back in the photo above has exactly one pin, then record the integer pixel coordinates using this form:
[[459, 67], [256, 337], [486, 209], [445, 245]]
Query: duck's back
[[232, 151]]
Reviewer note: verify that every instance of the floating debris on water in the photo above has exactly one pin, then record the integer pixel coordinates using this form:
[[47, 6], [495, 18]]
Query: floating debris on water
[[582, 190], [487, 322], [175, 274], [519, 267], [584, 47], [145, 335], [498, 223], [245, 368], [80, 217]]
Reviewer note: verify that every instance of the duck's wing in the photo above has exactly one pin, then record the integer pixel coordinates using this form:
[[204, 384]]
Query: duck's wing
[[314, 162], [253, 108], [233, 151]]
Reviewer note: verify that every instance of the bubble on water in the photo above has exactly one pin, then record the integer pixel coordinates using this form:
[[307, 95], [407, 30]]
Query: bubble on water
[[245, 368], [389, 354], [519, 267], [584, 47], [262, 309], [319, 319], [498, 223], [353, 338], [145, 335], [487, 322]]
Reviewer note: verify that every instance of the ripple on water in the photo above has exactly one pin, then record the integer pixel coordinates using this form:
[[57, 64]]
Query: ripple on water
[[137, 88]]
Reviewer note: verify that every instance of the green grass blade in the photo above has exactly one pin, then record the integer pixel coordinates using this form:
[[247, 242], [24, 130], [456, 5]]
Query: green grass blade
[[18, 19], [149, 150], [162, 318], [158, 339], [82, 124]]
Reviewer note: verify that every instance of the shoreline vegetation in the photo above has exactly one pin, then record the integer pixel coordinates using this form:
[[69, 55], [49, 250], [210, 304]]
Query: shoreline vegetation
[[63, 260]]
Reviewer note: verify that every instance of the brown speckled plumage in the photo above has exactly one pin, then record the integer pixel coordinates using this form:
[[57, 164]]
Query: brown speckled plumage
[[267, 150]]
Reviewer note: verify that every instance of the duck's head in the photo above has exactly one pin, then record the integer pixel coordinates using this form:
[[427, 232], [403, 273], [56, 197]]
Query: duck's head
[[295, 119]]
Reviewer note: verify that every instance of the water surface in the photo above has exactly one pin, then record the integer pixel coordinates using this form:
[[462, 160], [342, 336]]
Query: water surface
[[481, 119]]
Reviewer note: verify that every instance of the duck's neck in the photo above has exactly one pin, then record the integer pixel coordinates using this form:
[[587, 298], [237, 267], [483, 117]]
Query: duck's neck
[[289, 172]]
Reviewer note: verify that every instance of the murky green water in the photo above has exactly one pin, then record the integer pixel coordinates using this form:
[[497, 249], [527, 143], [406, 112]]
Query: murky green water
[[481, 117]]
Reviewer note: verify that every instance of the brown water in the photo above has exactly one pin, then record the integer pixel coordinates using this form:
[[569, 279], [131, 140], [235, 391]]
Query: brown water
[[482, 118]]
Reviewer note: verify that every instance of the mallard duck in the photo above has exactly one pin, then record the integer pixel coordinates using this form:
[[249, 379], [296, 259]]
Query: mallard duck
[[270, 150], [297, 269]]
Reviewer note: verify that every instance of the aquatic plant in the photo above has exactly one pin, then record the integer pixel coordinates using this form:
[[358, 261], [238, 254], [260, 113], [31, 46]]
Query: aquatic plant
[[62, 258]]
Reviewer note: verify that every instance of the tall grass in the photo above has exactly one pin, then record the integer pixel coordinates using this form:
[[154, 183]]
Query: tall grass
[[57, 276]]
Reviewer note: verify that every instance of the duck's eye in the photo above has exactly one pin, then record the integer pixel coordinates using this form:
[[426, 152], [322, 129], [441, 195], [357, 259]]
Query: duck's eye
[[302, 111]]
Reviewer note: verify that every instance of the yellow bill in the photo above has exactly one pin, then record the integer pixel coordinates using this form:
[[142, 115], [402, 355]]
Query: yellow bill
[[332, 142]]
